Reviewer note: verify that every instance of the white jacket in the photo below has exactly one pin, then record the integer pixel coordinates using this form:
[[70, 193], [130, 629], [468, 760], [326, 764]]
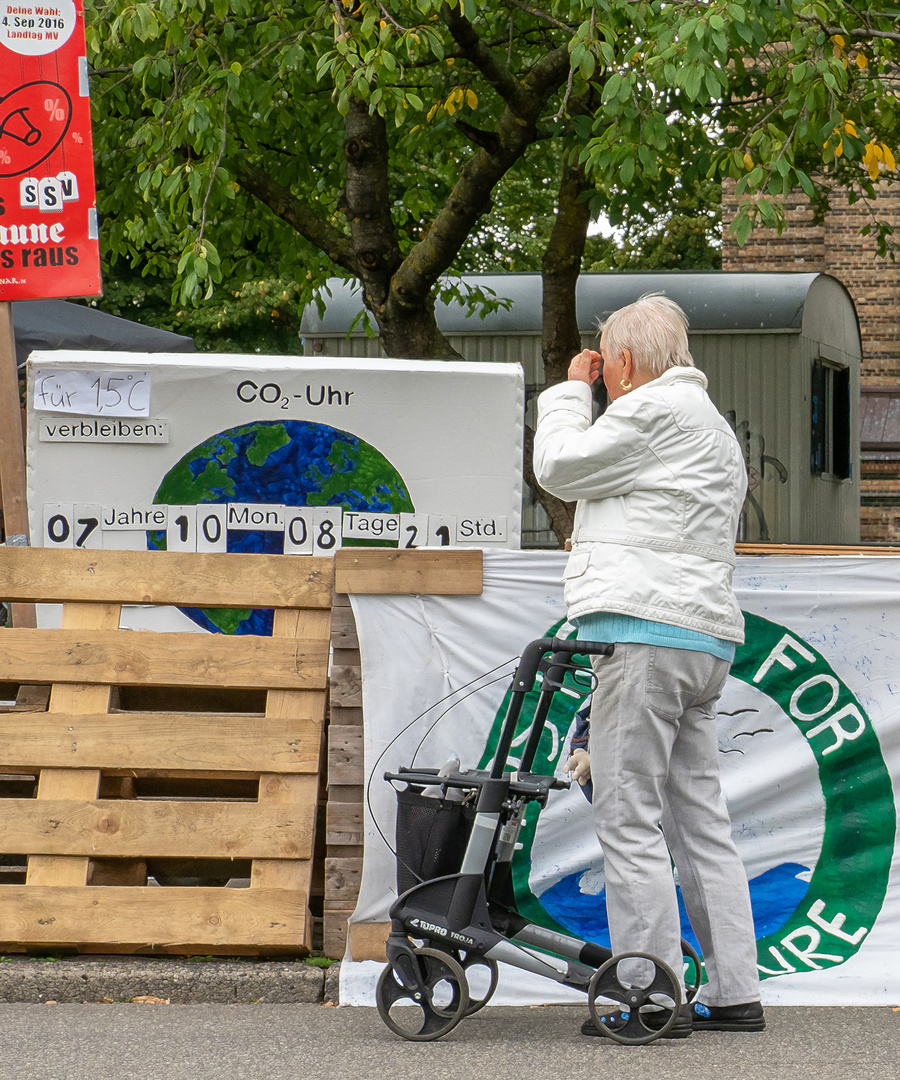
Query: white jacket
[[660, 482]]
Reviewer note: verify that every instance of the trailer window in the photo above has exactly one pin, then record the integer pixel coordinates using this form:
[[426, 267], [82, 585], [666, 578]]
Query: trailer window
[[830, 401]]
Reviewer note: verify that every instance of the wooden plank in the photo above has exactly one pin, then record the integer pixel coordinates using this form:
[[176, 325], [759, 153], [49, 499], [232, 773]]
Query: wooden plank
[[33, 697], [143, 917], [334, 929], [118, 872], [12, 456], [299, 794], [454, 572], [56, 784], [815, 549], [346, 749], [129, 828], [351, 716], [166, 577], [343, 824], [128, 658], [192, 742], [343, 628], [342, 878], [367, 940], [345, 687]]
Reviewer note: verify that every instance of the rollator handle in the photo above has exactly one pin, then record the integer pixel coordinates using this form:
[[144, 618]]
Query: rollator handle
[[529, 664]]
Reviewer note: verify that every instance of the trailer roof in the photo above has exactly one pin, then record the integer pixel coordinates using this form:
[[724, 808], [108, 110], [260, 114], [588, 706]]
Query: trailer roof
[[712, 300]]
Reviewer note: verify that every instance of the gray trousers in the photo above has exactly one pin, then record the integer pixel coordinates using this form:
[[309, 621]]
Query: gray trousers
[[654, 762]]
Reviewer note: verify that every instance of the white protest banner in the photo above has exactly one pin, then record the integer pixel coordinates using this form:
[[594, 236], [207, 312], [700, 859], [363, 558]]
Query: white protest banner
[[809, 735]]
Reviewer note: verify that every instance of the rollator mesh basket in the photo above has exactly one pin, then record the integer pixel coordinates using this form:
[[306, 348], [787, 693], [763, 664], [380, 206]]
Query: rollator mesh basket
[[432, 835]]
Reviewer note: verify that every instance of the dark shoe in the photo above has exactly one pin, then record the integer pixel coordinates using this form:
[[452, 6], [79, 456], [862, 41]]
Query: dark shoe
[[681, 1029], [747, 1017]]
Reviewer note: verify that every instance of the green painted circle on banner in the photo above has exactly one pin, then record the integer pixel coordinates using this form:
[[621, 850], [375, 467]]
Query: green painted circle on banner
[[849, 881]]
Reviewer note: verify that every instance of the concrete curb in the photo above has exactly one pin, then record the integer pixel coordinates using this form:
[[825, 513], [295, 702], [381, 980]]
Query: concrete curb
[[121, 979]]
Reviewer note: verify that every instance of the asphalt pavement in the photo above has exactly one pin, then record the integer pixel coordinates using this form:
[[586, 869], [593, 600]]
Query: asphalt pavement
[[318, 1042]]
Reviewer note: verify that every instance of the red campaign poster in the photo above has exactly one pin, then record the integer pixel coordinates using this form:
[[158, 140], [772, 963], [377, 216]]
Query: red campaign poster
[[49, 244]]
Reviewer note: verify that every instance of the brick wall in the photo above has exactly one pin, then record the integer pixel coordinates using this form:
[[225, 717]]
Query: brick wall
[[835, 246]]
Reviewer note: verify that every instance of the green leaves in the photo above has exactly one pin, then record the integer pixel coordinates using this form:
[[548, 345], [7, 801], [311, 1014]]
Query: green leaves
[[663, 98]]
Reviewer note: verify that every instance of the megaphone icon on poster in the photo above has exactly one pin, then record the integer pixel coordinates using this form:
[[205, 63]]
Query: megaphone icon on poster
[[17, 126], [33, 120]]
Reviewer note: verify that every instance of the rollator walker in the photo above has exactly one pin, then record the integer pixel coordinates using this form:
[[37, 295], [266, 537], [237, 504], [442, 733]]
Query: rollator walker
[[456, 836]]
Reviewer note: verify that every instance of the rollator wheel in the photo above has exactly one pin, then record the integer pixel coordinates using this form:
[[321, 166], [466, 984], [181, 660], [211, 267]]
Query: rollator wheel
[[693, 971], [618, 1014], [482, 976], [433, 1006]]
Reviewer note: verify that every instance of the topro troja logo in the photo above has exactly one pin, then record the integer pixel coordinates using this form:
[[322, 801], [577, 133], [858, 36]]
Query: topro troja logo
[[820, 819]]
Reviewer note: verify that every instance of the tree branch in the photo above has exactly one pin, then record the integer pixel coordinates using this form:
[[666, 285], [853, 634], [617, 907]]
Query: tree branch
[[471, 195], [302, 217], [862, 33], [478, 54], [538, 14]]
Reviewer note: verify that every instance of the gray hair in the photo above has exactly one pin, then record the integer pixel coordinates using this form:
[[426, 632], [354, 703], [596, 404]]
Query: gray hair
[[654, 330]]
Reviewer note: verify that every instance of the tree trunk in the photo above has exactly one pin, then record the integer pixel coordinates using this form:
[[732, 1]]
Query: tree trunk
[[560, 267], [561, 338]]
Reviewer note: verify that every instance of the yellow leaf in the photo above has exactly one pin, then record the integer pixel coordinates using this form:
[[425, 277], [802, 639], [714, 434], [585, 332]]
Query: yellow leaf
[[861, 62], [849, 127], [873, 170], [450, 61], [449, 106], [838, 40], [889, 161], [471, 99], [839, 149], [432, 111], [748, 162]]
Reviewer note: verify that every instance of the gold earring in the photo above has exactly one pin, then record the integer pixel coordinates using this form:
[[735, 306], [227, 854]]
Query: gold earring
[[625, 384]]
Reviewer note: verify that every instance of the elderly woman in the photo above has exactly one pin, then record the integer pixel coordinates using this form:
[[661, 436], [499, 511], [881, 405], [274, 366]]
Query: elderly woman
[[660, 482]]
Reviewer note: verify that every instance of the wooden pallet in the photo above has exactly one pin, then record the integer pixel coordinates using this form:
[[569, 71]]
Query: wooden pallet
[[458, 572], [816, 549], [184, 755]]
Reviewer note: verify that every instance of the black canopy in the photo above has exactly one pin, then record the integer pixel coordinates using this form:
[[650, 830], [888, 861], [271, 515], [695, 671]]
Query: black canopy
[[57, 324]]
